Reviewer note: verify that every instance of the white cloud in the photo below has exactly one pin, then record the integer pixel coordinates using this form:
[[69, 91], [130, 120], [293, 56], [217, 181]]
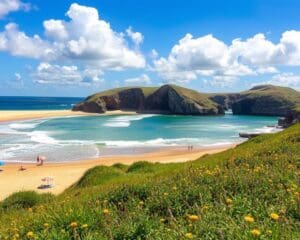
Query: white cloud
[[193, 58], [19, 44], [18, 77], [65, 75], [143, 79], [136, 37], [7, 6], [84, 37], [285, 79]]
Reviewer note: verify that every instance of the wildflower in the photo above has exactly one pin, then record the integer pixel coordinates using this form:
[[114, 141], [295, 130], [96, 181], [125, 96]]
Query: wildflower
[[84, 226], [30, 234], [189, 235], [193, 218], [174, 188], [46, 225], [249, 219], [73, 224], [29, 209], [162, 220], [141, 203], [255, 232], [166, 194], [105, 211], [274, 216], [269, 232], [228, 201]]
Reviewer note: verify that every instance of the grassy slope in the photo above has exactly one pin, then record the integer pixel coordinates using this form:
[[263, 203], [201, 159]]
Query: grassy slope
[[290, 96], [199, 98], [153, 201], [146, 90]]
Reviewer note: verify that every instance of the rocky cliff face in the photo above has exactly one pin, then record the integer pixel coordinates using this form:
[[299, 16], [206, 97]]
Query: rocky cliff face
[[166, 100], [225, 100]]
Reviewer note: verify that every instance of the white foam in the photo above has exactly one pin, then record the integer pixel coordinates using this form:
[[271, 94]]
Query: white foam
[[125, 121], [41, 137]]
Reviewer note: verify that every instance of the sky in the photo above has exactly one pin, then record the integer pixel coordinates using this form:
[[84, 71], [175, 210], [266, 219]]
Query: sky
[[67, 48]]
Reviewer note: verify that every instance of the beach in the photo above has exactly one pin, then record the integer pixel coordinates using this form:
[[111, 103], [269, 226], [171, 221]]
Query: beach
[[66, 174], [33, 114]]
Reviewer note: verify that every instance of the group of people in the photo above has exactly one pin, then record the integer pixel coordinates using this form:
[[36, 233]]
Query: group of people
[[190, 147], [40, 162]]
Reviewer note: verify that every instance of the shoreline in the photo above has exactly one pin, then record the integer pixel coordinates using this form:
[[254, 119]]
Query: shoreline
[[66, 174], [19, 115]]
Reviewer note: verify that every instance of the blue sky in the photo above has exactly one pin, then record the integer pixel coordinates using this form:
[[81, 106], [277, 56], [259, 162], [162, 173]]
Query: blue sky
[[76, 52]]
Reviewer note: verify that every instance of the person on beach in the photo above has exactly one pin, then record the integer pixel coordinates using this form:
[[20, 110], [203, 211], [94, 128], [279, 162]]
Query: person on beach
[[40, 160], [22, 168]]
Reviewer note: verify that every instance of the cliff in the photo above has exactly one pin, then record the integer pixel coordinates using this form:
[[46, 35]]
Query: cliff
[[267, 100], [168, 99]]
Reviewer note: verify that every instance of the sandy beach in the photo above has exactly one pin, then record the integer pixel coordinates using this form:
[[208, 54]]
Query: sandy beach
[[65, 174], [25, 115]]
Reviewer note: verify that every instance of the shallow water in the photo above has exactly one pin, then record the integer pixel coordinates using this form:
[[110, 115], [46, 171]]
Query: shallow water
[[74, 138]]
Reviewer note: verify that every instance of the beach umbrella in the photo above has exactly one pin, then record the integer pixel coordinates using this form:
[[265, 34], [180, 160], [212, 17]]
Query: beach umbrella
[[2, 163]]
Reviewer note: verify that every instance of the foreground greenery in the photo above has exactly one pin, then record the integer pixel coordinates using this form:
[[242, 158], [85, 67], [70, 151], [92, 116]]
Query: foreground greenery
[[250, 192]]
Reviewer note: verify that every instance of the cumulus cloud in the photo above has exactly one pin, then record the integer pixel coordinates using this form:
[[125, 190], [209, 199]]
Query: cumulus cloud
[[136, 37], [285, 79], [84, 37], [143, 79], [7, 6], [65, 75], [18, 43], [206, 56]]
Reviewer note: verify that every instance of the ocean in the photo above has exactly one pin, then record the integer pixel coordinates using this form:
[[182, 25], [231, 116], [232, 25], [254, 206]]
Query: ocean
[[37, 103], [86, 137]]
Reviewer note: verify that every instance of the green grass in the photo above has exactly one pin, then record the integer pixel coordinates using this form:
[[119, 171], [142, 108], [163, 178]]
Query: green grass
[[154, 201], [146, 91]]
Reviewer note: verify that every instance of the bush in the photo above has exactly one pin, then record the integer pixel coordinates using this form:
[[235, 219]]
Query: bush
[[98, 175], [26, 199], [142, 166]]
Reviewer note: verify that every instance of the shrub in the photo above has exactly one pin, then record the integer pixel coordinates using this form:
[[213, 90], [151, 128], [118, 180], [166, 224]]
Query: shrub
[[25, 199]]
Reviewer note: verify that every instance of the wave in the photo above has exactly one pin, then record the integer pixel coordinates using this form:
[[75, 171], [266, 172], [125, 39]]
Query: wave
[[125, 121]]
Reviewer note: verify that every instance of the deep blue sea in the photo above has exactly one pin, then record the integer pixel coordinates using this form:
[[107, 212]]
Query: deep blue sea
[[37, 103]]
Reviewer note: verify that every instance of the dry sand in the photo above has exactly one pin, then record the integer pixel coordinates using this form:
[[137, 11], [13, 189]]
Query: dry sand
[[25, 115], [66, 174]]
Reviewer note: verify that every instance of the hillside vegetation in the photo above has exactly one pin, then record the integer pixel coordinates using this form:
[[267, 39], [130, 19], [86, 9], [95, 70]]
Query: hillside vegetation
[[249, 192]]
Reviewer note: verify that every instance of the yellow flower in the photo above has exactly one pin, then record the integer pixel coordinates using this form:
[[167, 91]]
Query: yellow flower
[[29, 209], [174, 188], [141, 203], [46, 225], [189, 235], [269, 232], [255, 232], [274, 216], [105, 211], [229, 201], [73, 224], [166, 194], [84, 226], [30, 234], [162, 220], [249, 219], [193, 218]]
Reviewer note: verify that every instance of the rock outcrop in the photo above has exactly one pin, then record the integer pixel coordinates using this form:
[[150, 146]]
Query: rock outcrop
[[168, 99]]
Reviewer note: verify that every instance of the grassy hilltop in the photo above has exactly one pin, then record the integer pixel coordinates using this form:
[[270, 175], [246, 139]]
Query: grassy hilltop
[[249, 192]]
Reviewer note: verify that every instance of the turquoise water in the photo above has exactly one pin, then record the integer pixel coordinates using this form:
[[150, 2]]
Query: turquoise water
[[74, 138]]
